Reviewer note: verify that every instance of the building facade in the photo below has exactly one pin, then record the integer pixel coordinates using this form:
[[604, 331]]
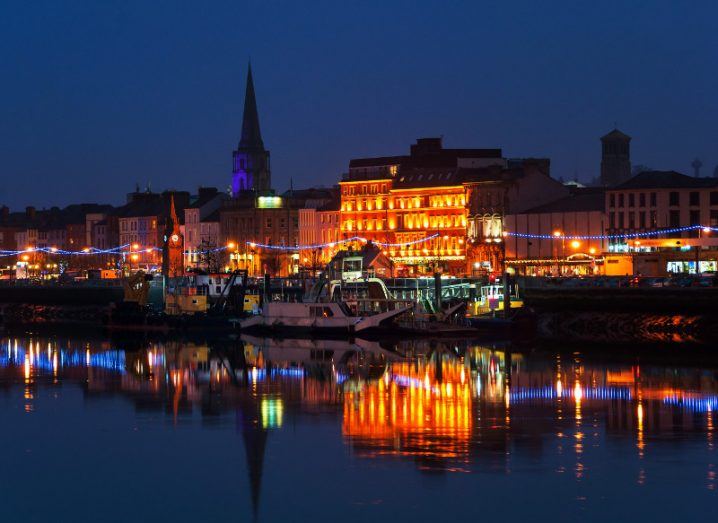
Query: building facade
[[541, 241]]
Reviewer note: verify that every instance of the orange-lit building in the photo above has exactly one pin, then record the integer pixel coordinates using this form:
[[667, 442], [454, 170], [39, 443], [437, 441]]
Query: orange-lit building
[[406, 199], [428, 206]]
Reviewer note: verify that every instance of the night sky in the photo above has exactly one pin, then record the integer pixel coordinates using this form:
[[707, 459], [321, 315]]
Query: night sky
[[98, 96]]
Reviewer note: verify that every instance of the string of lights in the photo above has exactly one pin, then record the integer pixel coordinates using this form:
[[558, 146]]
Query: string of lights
[[340, 242], [558, 235]]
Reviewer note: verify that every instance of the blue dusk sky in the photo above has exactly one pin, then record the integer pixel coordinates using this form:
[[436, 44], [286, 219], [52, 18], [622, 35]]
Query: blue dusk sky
[[99, 95]]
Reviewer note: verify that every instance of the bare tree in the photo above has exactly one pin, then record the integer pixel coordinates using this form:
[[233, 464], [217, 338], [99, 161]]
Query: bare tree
[[208, 256]]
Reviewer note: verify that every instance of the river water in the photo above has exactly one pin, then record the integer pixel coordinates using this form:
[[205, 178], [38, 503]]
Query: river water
[[262, 430]]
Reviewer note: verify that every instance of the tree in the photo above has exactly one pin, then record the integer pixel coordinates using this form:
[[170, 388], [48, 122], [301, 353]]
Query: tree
[[208, 256]]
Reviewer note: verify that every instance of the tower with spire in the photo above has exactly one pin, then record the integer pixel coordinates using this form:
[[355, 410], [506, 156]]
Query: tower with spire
[[250, 170]]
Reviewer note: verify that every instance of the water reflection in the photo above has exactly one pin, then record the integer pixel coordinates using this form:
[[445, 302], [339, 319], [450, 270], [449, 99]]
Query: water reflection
[[442, 406]]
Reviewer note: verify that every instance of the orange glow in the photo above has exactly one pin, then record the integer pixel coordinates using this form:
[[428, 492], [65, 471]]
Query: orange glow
[[135, 257], [412, 406], [135, 246], [557, 234], [575, 244], [231, 245]]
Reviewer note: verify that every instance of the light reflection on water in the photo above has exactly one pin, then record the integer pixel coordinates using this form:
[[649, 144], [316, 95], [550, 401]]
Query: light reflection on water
[[438, 407]]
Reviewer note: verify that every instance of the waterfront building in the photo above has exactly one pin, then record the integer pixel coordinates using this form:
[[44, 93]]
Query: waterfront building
[[615, 158], [262, 231], [259, 226], [673, 214], [540, 240], [319, 232], [494, 192], [416, 201], [142, 224], [201, 228], [425, 206]]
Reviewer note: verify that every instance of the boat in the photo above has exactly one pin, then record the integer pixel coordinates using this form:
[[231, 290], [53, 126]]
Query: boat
[[344, 307]]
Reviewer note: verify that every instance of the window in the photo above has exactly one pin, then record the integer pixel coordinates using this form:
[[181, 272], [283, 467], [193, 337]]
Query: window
[[642, 199], [653, 199], [621, 221], [642, 219], [631, 220], [620, 200], [631, 200], [612, 220], [654, 219], [674, 218], [673, 198], [268, 223], [714, 218], [694, 198], [714, 197], [612, 200], [695, 218]]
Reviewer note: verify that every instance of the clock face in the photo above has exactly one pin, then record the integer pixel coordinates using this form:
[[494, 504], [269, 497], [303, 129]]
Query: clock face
[[175, 238]]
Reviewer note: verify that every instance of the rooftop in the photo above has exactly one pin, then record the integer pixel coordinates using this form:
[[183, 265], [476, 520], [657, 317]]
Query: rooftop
[[582, 200], [665, 180]]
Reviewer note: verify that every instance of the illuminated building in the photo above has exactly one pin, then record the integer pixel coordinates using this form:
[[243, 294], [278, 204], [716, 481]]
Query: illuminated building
[[142, 223], [201, 229], [655, 201], [319, 227], [256, 215], [580, 214], [494, 192], [251, 169], [400, 199], [452, 194]]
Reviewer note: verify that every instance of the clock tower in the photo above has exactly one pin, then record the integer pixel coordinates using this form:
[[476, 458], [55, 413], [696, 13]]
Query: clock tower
[[173, 247]]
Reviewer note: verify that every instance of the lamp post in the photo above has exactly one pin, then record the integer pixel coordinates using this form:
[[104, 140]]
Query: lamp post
[[558, 234], [701, 232]]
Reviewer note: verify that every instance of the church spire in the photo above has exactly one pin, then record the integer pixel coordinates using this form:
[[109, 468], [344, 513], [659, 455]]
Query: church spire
[[251, 136]]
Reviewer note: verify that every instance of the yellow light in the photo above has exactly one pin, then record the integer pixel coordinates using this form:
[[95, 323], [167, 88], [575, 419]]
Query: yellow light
[[25, 257], [557, 233], [135, 246], [30, 248], [148, 250], [231, 245], [592, 250], [86, 249], [706, 230], [53, 249], [135, 257], [575, 244]]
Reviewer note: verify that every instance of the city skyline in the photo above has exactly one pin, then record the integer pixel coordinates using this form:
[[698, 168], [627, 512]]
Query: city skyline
[[77, 123]]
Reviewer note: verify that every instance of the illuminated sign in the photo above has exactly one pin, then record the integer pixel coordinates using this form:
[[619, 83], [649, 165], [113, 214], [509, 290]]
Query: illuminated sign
[[269, 202]]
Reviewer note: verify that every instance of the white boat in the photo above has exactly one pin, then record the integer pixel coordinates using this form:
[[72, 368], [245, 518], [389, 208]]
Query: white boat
[[330, 316], [329, 309]]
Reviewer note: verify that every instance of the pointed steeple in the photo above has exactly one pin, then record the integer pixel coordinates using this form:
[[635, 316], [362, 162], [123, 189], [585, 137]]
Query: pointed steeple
[[251, 136]]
